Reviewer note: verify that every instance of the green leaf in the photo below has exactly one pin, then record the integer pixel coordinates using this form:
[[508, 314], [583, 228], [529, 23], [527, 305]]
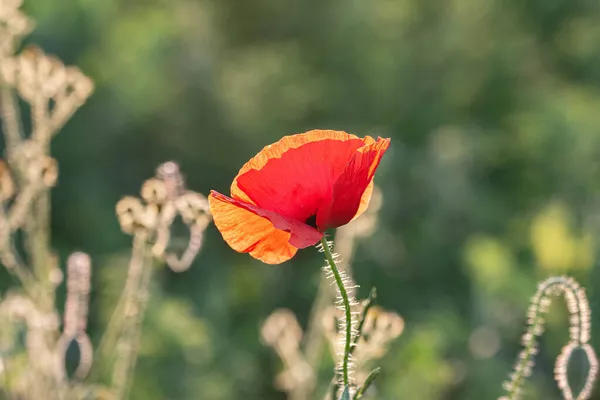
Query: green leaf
[[345, 394], [370, 302], [370, 379]]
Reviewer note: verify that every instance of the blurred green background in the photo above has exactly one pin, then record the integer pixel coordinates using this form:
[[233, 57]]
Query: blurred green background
[[491, 183]]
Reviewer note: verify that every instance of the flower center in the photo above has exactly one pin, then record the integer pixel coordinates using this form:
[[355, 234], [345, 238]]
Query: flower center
[[311, 221]]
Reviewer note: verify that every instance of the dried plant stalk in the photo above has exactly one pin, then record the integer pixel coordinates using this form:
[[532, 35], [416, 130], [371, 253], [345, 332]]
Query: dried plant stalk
[[149, 221], [135, 297], [26, 176], [53, 93]]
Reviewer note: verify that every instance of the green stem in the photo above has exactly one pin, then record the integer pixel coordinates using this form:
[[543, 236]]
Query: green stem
[[346, 301]]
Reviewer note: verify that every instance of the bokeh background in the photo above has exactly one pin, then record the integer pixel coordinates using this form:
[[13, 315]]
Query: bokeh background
[[491, 184]]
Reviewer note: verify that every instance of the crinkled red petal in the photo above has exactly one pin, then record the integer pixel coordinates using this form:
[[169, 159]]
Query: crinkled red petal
[[350, 186], [296, 184]]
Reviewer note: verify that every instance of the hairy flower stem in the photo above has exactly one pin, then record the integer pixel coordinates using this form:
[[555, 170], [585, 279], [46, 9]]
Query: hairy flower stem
[[346, 302]]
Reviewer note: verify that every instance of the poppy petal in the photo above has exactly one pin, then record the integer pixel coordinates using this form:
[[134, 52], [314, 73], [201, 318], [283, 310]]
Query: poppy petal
[[301, 235], [300, 181], [351, 186], [277, 149], [247, 232], [365, 200]]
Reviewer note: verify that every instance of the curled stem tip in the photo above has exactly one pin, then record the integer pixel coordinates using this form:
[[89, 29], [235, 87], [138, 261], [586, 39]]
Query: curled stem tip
[[579, 336]]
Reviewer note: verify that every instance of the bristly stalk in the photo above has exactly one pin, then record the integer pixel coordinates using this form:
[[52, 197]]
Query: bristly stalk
[[346, 304]]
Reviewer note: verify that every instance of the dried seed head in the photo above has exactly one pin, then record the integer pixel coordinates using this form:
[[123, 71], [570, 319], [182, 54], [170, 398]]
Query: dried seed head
[[34, 74], [282, 332], [13, 25], [31, 72], [37, 167], [54, 91], [166, 197], [169, 173], [194, 211], [133, 215], [281, 325], [385, 325], [7, 6], [129, 212], [192, 207], [77, 88], [154, 191]]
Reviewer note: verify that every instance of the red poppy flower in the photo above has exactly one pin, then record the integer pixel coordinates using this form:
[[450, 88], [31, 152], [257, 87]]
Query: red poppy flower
[[285, 197]]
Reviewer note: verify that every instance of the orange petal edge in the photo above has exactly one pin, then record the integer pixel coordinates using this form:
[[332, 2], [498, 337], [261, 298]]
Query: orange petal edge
[[247, 232]]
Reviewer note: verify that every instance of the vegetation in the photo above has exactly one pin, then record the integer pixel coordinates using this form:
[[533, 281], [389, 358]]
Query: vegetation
[[490, 186]]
